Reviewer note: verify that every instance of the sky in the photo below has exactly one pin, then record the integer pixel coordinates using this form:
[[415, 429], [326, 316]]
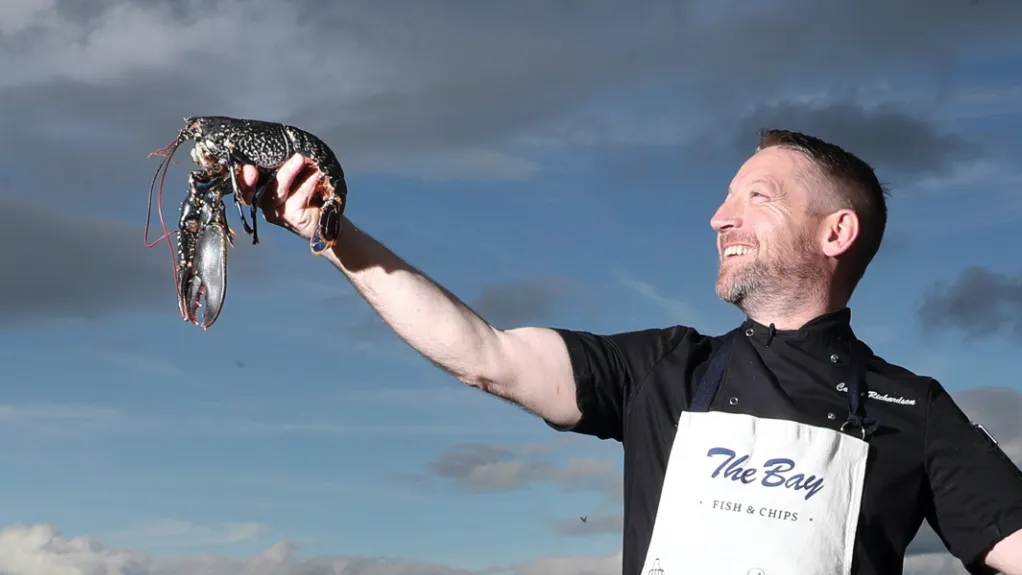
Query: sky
[[552, 163]]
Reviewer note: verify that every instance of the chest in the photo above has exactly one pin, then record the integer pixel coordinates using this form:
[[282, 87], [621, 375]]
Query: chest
[[894, 476]]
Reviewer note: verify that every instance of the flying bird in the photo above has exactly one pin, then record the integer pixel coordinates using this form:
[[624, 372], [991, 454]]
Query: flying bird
[[583, 518]]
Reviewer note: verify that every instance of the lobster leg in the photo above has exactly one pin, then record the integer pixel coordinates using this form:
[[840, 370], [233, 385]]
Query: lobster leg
[[232, 169], [234, 163]]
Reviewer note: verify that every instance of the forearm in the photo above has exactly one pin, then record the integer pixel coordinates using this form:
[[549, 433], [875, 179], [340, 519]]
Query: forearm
[[429, 318]]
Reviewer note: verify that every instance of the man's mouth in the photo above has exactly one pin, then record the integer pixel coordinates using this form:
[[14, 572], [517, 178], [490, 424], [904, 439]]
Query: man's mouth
[[736, 250]]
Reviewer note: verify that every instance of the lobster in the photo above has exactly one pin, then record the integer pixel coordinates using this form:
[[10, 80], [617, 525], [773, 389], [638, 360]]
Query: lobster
[[223, 145]]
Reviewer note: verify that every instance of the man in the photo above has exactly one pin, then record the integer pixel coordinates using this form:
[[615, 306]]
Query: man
[[847, 454]]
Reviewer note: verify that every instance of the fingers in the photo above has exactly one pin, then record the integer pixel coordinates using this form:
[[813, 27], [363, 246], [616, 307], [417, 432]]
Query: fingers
[[295, 185], [286, 178], [307, 182]]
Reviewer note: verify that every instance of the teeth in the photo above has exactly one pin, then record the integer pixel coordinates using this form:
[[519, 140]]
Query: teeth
[[736, 251]]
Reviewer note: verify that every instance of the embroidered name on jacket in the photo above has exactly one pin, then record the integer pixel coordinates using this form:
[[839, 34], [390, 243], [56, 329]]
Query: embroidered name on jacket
[[880, 396], [775, 472]]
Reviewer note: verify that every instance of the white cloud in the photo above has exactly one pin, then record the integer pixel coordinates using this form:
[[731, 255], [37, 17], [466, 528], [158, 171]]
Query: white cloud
[[176, 533], [42, 550], [675, 310]]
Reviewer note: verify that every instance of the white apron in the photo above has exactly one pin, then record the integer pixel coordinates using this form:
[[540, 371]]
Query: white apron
[[744, 495]]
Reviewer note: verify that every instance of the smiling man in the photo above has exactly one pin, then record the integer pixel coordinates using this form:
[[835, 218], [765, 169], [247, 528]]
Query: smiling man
[[783, 446]]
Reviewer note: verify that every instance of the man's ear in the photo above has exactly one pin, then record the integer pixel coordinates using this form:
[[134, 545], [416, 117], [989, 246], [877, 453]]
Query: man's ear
[[839, 231]]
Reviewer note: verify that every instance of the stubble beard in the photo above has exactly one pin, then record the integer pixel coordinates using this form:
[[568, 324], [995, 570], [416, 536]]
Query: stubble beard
[[776, 285]]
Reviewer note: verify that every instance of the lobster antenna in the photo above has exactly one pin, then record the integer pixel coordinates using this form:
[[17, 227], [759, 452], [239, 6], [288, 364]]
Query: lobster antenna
[[167, 152]]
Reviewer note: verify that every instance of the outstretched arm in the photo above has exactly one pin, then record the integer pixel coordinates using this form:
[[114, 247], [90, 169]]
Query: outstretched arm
[[576, 381], [528, 366]]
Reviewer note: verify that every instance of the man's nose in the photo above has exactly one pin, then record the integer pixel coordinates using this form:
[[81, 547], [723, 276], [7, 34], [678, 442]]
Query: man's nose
[[726, 217]]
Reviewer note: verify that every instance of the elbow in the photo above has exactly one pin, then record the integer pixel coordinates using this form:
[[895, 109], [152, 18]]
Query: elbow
[[491, 367]]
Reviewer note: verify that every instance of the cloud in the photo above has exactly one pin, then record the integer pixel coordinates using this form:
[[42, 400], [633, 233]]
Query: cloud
[[42, 550], [513, 304], [453, 91], [887, 135], [480, 467], [671, 309], [59, 266], [981, 303], [176, 533]]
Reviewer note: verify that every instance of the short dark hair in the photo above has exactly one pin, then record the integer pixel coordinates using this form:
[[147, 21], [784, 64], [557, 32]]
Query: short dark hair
[[856, 187]]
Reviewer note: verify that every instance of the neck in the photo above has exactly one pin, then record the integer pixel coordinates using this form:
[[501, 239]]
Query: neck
[[794, 309], [792, 320]]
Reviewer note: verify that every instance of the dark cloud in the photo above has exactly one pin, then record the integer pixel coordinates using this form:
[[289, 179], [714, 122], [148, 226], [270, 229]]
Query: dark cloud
[[458, 88], [488, 467], [479, 467], [513, 304], [886, 136], [60, 266], [980, 303]]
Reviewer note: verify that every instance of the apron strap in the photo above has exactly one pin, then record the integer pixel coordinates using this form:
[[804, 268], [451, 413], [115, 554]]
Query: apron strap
[[858, 391], [709, 384]]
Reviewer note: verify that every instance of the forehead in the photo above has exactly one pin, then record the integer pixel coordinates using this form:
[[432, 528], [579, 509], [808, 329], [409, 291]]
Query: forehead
[[778, 167]]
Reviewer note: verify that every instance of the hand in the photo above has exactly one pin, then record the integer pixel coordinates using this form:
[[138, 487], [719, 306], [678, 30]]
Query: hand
[[286, 200]]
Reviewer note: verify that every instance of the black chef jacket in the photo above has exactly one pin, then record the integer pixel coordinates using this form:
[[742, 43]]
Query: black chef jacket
[[927, 459]]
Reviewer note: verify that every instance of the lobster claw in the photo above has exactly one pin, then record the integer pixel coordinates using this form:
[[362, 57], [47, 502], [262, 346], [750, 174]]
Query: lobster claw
[[203, 238], [205, 276]]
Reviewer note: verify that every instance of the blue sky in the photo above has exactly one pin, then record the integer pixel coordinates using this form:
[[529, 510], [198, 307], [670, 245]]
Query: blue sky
[[553, 166]]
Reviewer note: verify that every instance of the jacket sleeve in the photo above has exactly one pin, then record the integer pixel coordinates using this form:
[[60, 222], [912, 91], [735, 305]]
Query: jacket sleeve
[[609, 369], [976, 488]]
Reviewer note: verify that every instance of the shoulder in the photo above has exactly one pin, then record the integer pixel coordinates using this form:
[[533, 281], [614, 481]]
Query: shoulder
[[895, 384], [639, 352], [651, 343]]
